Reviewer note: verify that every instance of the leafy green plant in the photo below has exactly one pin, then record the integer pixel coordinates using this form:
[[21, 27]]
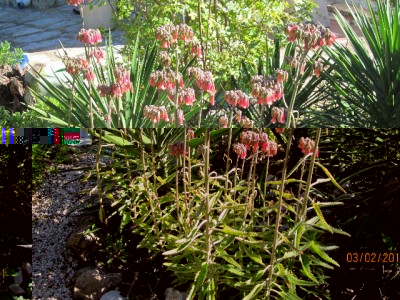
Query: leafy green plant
[[364, 86], [8, 56], [28, 119], [223, 228]]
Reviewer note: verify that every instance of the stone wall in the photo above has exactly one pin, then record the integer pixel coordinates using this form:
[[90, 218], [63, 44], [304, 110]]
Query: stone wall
[[35, 4]]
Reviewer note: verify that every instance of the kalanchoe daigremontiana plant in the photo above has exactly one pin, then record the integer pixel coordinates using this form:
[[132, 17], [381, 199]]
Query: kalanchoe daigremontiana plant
[[171, 80], [243, 228], [307, 37]]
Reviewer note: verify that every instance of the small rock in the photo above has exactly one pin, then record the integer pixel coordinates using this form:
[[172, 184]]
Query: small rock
[[27, 268], [112, 295], [19, 277], [90, 284], [16, 289], [172, 294], [80, 245]]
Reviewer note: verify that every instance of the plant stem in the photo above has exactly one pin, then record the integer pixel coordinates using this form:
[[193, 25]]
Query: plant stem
[[235, 180], [153, 164], [265, 186], [177, 194], [99, 181], [228, 154], [248, 190], [207, 198], [176, 85], [184, 177], [201, 108], [201, 34], [300, 186], [261, 115], [71, 101], [145, 179], [253, 184], [118, 111], [208, 30], [278, 216], [242, 170], [294, 93], [310, 173], [126, 159]]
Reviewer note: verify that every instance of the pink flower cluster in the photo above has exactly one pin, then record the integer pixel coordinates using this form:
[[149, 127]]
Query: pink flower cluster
[[179, 115], [204, 81], [318, 67], [246, 122], [169, 34], [307, 146], [123, 81], [190, 134], [165, 79], [185, 96], [196, 50], [165, 59], [250, 140], [278, 115], [267, 90], [76, 2], [89, 36], [78, 65], [98, 54], [223, 121], [237, 97], [238, 116], [120, 87], [310, 35], [156, 113], [177, 149], [240, 150]]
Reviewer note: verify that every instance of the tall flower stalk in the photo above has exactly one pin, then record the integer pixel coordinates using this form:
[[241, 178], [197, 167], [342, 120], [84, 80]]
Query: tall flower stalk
[[146, 181], [313, 146], [207, 195], [102, 216], [278, 217]]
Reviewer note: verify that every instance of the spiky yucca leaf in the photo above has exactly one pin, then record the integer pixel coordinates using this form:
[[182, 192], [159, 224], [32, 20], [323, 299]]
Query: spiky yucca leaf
[[364, 80]]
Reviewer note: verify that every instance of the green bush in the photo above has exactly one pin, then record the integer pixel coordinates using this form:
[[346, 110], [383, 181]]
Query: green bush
[[230, 31], [8, 57], [26, 119]]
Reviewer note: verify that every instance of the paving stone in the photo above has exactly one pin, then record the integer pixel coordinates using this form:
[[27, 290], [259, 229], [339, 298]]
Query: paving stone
[[67, 25], [25, 31], [43, 22], [47, 45]]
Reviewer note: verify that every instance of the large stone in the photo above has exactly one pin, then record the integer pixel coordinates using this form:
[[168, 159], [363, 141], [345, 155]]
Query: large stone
[[91, 284], [112, 295], [82, 246]]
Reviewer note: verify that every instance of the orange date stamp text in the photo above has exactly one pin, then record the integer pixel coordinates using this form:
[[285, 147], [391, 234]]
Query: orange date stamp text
[[372, 257]]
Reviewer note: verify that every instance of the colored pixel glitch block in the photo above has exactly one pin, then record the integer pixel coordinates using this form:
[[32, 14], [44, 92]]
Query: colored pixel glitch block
[[44, 136]]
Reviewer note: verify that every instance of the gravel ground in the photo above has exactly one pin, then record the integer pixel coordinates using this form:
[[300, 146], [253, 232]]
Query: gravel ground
[[53, 222]]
